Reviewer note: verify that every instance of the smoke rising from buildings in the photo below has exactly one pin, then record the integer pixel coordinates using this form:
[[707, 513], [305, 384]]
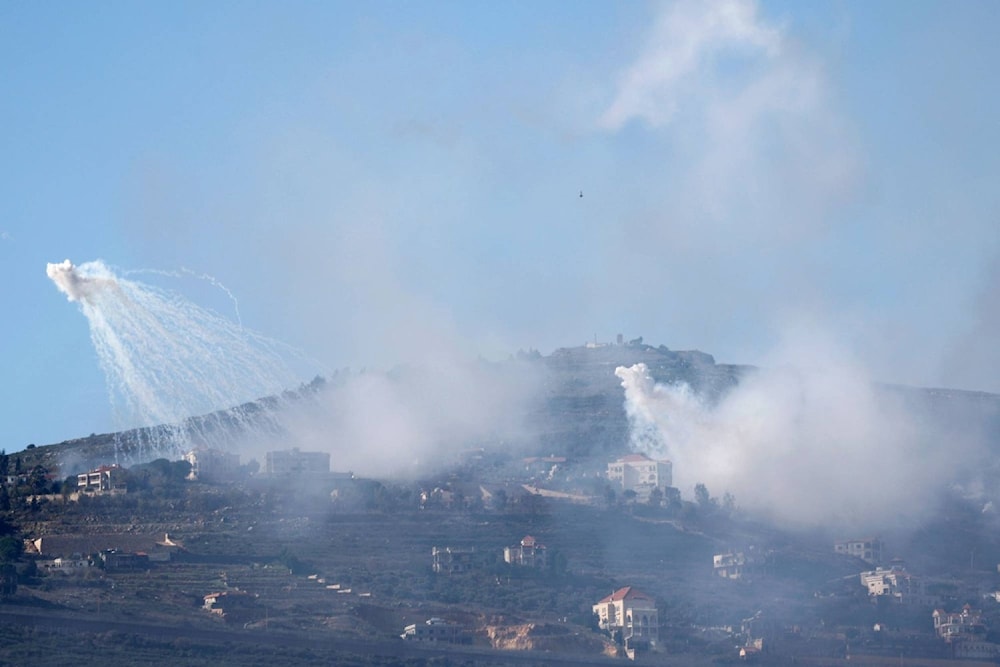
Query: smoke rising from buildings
[[808, 439]]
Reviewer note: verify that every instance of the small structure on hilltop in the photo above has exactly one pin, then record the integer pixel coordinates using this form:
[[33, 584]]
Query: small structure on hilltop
[[632, 613], [640, 474], [529, 553]]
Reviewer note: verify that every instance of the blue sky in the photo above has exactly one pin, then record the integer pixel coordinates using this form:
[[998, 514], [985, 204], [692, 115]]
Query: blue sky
[[386, 182]]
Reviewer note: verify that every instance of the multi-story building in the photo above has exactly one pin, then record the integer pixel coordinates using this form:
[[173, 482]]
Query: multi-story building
[[528, 553], [105, 479], [896, 583], [641, 474], [295, 462], [213, 464], [632, 612], [868, 549], [449, 560], [966, 624]]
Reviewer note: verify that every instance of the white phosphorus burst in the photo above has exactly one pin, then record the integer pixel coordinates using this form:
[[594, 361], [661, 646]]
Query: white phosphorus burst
[[167, 360]]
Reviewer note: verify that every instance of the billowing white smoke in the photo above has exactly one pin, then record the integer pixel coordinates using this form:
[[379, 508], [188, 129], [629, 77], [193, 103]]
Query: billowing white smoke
[[418, 419], [79, 283], [166, 359], [808, 440]]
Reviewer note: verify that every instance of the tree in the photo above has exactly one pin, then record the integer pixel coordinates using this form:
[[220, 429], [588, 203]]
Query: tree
[[11, 549], [702, 497], [656, 497]]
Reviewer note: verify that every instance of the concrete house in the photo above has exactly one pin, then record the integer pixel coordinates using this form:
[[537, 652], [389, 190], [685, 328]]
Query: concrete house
[[966, 624], [529, 553], [896, 583], [640, 474], [106, 479], [632, 612], [449, 560]]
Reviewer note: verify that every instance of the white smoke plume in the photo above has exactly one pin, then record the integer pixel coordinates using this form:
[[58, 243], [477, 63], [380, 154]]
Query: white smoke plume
[[80, 283], [418, 418], [166, 359], [808, 440]]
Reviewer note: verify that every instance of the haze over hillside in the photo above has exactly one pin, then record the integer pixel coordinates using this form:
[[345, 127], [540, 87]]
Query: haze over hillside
[[803, 444]]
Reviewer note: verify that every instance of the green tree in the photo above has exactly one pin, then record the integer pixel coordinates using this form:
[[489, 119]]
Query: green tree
[[701, 496], [11, 549]]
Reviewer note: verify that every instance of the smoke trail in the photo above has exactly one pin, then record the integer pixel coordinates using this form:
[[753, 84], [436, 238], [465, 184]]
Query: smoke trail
[[166, 359], [199, 276]]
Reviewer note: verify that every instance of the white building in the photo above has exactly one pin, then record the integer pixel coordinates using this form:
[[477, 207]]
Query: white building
[[897, 583], [293, 461], [738, 564], [106, 479], [966, 624], [641, 474], [528, 553], [631, 611]]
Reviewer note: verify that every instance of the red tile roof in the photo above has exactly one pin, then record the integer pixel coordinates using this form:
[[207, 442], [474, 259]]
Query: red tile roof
[[627, 593]]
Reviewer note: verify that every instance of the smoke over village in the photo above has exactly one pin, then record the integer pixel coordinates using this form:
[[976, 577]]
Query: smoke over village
[[529, 334]]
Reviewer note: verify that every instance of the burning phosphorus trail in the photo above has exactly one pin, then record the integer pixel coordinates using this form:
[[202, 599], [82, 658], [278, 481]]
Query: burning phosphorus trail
[[166, 359]]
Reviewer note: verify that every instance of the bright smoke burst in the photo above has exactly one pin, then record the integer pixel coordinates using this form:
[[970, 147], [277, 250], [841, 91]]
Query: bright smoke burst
[[166, 360]]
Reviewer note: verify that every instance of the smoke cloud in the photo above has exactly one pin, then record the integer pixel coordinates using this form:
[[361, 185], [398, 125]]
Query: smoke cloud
[[79, 283], [809, 439], [418, 418]]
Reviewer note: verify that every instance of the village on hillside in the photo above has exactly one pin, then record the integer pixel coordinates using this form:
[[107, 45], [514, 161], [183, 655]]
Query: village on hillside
[[511, 556]]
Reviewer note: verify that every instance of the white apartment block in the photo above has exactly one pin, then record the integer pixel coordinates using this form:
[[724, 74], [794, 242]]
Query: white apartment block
[[641, 474], [896, 583]]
